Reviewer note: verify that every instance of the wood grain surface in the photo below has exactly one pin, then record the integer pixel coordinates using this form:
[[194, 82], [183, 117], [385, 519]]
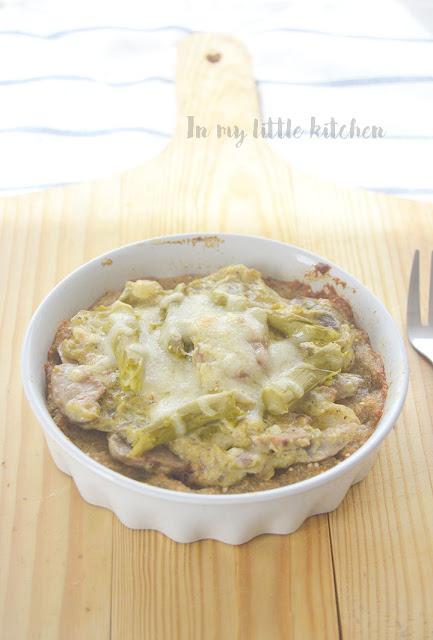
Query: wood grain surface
[[72, 571]]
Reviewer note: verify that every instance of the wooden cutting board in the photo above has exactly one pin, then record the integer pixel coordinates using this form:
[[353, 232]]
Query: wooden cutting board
[[72, 571]]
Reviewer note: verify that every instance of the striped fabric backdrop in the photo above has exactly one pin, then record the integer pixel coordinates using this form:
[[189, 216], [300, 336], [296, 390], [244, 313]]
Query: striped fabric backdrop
[[88, 90]]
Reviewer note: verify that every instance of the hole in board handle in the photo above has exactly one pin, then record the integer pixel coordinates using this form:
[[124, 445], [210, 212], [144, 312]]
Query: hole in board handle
[[213, 57]]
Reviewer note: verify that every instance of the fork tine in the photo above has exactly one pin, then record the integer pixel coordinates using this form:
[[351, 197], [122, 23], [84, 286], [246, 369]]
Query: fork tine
[[413, 303], [430, 303]]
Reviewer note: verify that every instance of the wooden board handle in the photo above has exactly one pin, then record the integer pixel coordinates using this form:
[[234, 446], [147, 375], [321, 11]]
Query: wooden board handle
[[215, 83]]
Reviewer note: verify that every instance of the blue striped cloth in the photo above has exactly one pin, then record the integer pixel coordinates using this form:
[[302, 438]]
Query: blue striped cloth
[[88, 92]]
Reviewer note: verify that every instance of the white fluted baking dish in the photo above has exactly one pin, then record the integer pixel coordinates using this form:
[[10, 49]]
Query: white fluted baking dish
[[182, 516]]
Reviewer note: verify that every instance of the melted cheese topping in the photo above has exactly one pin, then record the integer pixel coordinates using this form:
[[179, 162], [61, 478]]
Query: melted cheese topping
[[231, 351], [189, 343], [167, 379]]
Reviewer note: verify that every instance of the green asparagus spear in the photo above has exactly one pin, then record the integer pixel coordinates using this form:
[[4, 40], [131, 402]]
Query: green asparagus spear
[[301, 329], [130, 362], [141, 292], [191, 416], [290, 386]]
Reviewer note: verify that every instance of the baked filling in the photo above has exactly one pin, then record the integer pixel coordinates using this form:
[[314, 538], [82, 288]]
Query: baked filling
[[221, 383]]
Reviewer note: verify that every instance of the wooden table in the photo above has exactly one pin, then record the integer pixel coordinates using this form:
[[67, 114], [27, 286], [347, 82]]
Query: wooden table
[[72, 571]]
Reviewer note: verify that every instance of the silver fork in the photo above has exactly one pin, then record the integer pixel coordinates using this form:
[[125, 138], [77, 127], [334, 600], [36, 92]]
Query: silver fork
[[420, 335]]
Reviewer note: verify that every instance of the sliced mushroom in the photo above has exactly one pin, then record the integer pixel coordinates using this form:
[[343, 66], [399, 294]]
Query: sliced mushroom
[[160, 459], [306, 444], [332, 441], [75, 392]]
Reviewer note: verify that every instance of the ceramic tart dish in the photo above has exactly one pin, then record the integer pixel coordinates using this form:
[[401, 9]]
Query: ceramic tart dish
[[188, 516]]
